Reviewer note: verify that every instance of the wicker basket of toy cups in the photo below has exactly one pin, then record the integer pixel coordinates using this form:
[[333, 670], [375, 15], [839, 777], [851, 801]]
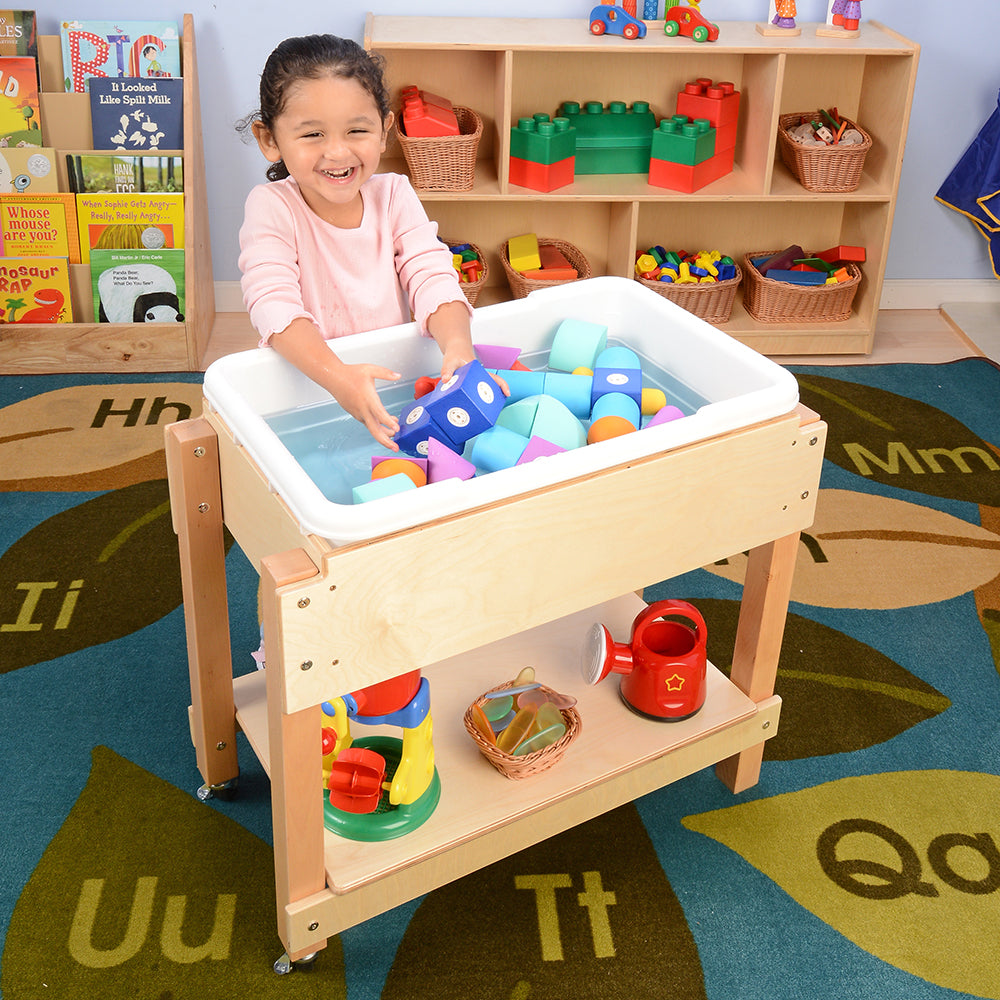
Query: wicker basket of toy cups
[[520, 286], [822, 168], [711, 301], [472, 288], [770, 301], [530, 763], [447, 162]]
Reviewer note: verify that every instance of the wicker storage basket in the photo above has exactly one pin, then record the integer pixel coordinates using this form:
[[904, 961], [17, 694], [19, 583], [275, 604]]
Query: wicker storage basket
[[444, 163], [530, 763], [822, 168], [712, 302], [520, 286], [770, 301], [472, 288]]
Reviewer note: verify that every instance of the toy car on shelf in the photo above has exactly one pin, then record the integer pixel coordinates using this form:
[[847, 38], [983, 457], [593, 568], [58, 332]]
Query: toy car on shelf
[[607, 19], [680, 20]]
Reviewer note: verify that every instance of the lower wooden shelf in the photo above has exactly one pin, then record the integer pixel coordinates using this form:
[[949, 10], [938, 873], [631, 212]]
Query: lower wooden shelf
[[482, 815]]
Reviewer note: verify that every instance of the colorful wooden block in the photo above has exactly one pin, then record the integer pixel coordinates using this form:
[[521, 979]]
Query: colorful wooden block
[[522, 252]]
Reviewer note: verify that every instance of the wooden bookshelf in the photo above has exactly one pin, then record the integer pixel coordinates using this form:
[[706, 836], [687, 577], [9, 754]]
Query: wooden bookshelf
[[89, 346]]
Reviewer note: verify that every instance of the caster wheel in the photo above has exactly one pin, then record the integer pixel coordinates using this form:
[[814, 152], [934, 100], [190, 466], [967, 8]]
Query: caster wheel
[[226, 791], [285, 965]]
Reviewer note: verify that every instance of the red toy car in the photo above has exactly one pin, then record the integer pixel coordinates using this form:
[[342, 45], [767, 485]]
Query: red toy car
[[688, 21], [615, 21]]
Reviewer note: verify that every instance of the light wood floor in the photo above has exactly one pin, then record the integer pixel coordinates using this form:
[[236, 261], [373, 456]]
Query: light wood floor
[[915, 335]]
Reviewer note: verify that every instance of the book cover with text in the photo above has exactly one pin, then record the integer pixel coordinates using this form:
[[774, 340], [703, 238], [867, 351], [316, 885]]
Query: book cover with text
[[138, 286], [90, 48], [39, 225], [129, 222], [136, 115], [28, 170], [111, 173], [35, 290], [18, 33], [20, 122]]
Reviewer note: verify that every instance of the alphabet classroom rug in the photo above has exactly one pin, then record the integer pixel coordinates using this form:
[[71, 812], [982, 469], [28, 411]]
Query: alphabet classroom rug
[[865, 864]]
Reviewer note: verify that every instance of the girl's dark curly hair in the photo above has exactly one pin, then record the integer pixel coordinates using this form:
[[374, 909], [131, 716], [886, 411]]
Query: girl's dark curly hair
[[310, 57]]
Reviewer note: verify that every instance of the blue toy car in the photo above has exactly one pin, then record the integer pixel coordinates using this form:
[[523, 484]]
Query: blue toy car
[[606, 19]]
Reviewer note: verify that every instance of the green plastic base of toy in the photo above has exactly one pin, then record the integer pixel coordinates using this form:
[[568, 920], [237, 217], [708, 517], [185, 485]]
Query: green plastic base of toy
[[388, 821]]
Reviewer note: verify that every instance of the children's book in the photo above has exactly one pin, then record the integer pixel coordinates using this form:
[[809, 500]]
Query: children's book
[[39, 225], [129, 113], [138, 286], [129, 222], [110, 173], [18, 33], [20, 123], [28, 169], [148, 49], [35, 290]]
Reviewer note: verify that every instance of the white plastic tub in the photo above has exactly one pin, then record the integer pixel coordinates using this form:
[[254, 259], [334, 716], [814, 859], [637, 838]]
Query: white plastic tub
[[271, 407]]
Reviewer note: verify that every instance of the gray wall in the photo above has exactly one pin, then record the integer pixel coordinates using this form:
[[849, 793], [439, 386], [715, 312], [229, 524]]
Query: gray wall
[[956, 91]]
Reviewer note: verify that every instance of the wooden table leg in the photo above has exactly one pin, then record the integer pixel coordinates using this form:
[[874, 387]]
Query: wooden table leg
[[192, 450], [296, 765], [766, 592]]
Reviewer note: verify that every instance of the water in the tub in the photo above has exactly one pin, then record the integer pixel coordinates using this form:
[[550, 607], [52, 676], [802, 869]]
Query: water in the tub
[[336, 451]]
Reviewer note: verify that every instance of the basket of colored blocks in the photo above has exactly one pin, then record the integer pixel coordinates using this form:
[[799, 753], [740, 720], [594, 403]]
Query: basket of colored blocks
[[526, 259], [704, 287], [769, 299], [817, 165], [523, 762], [471, 267], [445, 162]]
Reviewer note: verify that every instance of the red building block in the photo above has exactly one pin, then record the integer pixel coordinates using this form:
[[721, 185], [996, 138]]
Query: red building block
[[682, 177], [424, 120], [718, 102], [542, 176]]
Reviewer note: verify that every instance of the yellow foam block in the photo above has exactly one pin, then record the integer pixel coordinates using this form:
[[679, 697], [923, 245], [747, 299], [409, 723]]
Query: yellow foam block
[[522, 252]]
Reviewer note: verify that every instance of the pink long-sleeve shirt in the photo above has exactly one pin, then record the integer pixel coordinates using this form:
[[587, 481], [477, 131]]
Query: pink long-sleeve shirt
[[294, 264]]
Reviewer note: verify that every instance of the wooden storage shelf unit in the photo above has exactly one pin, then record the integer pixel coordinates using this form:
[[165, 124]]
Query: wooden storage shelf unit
[[87, 345], [508, 68], [434, 597]]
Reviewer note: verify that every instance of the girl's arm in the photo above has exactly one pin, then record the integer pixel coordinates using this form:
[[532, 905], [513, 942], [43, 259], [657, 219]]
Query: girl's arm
[[353, 386]]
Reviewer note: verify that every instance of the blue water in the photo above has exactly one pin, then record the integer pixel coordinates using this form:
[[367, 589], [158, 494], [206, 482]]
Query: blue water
[[335, 450]]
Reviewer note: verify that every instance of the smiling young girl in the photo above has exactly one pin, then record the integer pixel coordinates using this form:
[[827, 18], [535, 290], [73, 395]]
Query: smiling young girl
[[330, 247]]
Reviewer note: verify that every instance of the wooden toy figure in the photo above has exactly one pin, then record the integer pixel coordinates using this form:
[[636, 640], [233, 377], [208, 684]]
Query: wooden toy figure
[[781, 19], [843, 17], [784, 14]]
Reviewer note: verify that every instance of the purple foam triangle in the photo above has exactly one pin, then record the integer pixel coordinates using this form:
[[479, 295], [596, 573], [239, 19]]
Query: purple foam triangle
[[443, 463], [497, 356]]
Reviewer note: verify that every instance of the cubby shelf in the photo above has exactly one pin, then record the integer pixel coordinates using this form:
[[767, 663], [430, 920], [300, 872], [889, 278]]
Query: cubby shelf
[[120, 347], [507, 68]]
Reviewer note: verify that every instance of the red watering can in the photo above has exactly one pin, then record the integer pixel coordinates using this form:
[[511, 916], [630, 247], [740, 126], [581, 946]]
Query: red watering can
[[663, 664]]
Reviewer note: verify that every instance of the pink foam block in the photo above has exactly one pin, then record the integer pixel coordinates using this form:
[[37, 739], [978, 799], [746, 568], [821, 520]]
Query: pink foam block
[[665, 415], [443, 463], [538, 447], [497, 356]]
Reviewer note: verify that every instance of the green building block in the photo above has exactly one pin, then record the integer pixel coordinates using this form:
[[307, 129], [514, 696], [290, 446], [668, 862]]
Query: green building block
[[543, 141], [682, 140], [611, 140]]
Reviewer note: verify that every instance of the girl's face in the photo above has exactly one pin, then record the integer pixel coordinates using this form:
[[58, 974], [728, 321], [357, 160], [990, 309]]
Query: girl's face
[[331, 137]]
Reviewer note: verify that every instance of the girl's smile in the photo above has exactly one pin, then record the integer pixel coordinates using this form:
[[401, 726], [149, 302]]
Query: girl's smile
[[331, 138]]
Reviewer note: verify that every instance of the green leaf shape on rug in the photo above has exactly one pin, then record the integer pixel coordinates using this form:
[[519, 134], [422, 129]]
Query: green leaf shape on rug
[[588, 913], [64, 439], [904, 864], [838, 694], [146, 892], [902, 442], [95, 572], [864, 550]]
